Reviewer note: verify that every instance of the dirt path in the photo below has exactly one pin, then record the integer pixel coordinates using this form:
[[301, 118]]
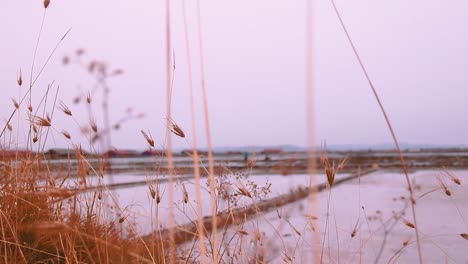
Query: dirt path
[[188, 232]]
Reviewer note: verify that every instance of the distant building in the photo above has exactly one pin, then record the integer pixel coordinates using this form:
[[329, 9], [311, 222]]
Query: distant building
[[122, 153], [155, 153], [60, 153], [234, 153], [189, 152], [269, 151], [414, 150]]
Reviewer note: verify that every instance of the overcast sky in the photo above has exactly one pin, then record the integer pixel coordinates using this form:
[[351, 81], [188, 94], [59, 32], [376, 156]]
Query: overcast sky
[[416, 52]]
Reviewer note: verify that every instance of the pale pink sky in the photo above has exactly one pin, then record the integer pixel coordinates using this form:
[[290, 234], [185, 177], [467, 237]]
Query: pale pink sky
[[416, 52]]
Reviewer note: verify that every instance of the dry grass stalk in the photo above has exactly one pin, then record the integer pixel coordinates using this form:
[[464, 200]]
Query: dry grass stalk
[[389, 125], [58, 193], [49, 226], [207, 131], [148, 138]]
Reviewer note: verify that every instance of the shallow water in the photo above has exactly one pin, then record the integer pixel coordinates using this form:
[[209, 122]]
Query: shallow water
[[367, 205]]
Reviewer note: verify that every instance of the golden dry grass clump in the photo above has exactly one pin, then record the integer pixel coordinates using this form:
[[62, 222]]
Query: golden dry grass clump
[[42, 221]]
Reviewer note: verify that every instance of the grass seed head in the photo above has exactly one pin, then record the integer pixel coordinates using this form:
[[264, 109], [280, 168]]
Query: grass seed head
[[243, 232], [148, 138], [311, 217], [155, 193], [452, 176], [177, 130], [408, 223], [15, 103], [66, 134], [46, 3], [79, 52], [406, 242], [95, 138], [330, 172], [444, 186], [185, 193], [64, 108], [88, 98], [92, 66], [20, 78], [355, 229], [250, 164], [43, 122], [331, 169], [117, 72], [464, 235], [152, 191], [241, 190], [93, 125], [65, 60], [287, 258]]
